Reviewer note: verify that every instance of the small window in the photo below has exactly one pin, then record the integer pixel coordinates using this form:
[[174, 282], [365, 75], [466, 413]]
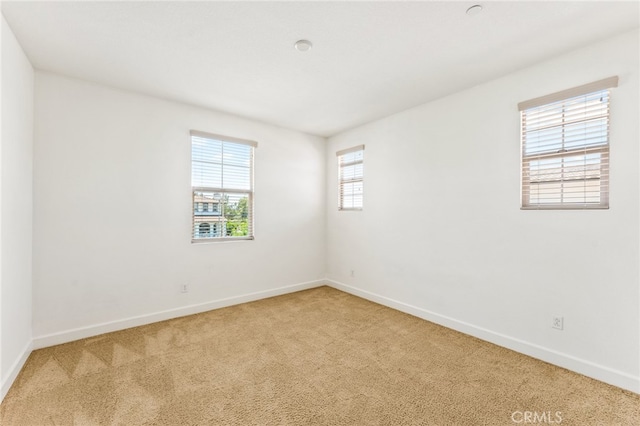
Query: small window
[[565, 148], [350, 178], [221, 187], [204, 229]]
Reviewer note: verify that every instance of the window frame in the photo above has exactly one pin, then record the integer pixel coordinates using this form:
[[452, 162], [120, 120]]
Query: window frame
[[342, 182], [219, 224], [565, 101]]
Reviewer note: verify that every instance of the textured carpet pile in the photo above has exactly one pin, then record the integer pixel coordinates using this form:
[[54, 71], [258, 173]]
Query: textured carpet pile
[[316, 357]]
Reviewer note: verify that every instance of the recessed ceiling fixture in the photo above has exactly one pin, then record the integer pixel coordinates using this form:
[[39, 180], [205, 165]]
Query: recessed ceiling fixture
[[474, 10], [303, 45]]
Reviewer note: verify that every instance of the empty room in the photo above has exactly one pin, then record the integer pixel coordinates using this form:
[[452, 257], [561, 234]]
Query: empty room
[[329, 213]]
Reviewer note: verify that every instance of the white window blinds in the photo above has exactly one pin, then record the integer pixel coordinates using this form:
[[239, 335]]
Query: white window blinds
[[222, 187], [565, 148], [351, 178]]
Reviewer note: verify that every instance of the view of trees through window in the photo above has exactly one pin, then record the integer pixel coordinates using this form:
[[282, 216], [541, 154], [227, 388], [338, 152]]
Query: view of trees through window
[[236, 213]]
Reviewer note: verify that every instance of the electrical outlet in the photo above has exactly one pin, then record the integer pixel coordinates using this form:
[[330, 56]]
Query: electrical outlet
[[184, 288], [557, 323]]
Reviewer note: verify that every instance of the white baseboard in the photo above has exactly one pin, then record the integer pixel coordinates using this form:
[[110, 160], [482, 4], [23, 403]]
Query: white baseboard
[[107, 327], [587, 368], [14, 370]]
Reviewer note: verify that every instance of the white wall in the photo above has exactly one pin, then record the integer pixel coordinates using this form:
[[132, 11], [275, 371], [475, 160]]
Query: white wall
[[112, 209], [16, 208], [442, 235]]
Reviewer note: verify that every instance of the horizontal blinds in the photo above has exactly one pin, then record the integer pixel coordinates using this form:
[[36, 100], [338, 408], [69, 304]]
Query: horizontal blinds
[[351, 175], [222, 187], [565, 153]]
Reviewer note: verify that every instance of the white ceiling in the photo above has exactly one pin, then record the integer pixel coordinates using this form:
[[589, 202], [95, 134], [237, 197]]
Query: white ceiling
[[369, 59]]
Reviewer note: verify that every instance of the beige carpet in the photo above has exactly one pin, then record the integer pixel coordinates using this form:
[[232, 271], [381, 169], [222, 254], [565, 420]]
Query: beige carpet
[[317, 357]]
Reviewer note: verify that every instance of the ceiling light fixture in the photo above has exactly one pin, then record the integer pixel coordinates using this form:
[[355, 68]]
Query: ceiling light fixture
[[303, 45], [474, 10]]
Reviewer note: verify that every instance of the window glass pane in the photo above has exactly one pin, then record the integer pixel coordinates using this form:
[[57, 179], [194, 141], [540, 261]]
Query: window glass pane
[[545, 193], [229, 216], [237, 154], [237, 213], [352, 195], [352, 172], [545, 140], [353, 156], [206, 162], [586, 133], [236, 177]]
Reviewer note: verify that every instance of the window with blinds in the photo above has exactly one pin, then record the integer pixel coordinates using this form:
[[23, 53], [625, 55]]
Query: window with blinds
[[565, 148], [221, 187], [350, 178]]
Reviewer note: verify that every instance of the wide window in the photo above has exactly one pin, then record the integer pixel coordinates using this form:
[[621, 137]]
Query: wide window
[[565, 148], [351, 178], [221, 187]]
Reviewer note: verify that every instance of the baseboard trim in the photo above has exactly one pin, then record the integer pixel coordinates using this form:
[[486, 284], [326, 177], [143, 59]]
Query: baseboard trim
[[15, 370], [581, 366], [107, 327]]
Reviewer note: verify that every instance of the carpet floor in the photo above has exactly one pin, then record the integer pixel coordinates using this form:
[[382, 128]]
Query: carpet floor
[[316, 357]]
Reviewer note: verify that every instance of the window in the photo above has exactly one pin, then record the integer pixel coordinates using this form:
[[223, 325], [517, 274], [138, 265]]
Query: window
[[565, 148], [221, 187], [204, 229], [350, 178], [207, 230]]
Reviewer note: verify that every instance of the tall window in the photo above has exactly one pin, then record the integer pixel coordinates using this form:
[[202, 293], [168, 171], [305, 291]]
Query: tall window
[[221, 187], [350, 178], [565, 148]]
